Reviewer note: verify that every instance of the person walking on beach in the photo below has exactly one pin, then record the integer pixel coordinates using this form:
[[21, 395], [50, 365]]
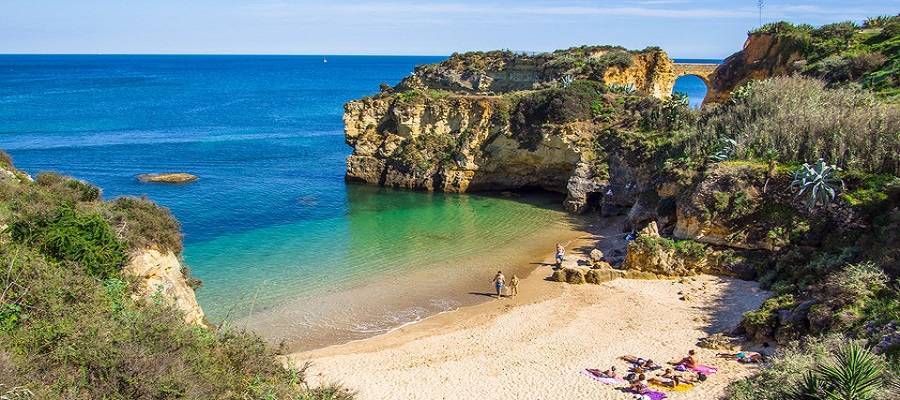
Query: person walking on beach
[[499, 281], [560, 253]]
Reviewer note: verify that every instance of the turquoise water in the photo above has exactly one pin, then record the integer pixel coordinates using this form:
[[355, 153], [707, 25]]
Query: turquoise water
[[282, 244]]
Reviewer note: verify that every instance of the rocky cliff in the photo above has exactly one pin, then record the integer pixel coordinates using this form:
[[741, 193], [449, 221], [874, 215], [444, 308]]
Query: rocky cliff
[[501, 121], [649, 70], [764, 55], [162, 274]]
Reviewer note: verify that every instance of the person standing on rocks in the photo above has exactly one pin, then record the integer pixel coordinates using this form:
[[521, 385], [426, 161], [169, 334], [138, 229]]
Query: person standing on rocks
[[499, 282]]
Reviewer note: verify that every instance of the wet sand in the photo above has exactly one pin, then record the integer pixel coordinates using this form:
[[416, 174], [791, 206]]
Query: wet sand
[[385, 302], [534, 346]]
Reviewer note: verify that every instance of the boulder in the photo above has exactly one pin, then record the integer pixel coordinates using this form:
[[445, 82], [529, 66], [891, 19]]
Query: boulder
[[596, 256], [575, 276], [719, 341], [168, 177], [597, 276]]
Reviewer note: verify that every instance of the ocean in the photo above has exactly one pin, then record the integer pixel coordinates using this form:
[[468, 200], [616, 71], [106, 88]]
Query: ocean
[[281, 243]]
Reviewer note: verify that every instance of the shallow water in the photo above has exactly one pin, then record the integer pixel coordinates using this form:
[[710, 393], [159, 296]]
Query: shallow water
[[281, 243]]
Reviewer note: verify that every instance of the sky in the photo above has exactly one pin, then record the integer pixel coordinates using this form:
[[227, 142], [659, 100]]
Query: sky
[[684, 28]]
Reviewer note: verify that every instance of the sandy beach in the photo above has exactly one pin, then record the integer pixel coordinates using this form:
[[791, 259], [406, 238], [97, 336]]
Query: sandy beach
[[534, 346]]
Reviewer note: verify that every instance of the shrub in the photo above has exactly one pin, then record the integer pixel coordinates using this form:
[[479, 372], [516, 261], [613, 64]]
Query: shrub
[[559, 105], [802, 120], [5, 160], [767, 313], [71, 327], [83, 238], [143, 224], [856, 283], [72, 189], [787, 369]]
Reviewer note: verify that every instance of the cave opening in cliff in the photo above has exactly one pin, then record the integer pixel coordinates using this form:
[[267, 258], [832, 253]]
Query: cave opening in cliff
[[694, 87]]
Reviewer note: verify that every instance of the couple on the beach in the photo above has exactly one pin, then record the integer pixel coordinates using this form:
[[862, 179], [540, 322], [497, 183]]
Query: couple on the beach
[[500, 284]]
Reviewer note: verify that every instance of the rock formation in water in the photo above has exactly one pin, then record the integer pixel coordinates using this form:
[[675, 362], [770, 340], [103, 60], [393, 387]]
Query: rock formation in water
[[500, 121], [171, 177]]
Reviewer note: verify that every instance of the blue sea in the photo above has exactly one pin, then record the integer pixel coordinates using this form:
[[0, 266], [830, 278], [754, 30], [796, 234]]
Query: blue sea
[[281, 243]]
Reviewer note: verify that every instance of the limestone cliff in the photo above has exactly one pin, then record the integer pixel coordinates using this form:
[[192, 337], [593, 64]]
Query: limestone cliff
[[161, 274], [501, 121], [462, 143], [764, 55]]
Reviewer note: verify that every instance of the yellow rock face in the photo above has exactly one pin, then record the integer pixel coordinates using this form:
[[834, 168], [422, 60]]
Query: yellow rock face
[[161, 273]]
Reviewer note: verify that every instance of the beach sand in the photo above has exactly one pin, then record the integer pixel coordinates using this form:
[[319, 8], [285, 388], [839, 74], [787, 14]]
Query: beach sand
[[535, 345]]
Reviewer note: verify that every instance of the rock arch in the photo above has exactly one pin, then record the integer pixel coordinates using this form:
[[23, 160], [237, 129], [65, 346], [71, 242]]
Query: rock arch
[[706, 72]]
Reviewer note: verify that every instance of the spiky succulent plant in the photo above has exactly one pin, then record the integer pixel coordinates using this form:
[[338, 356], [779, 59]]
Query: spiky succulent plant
[[817, 184]]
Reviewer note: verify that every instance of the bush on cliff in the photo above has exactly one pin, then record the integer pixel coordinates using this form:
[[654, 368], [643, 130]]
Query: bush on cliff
[[144, 224], [71, 325], [556, 106], [846, 52], [803, 121]]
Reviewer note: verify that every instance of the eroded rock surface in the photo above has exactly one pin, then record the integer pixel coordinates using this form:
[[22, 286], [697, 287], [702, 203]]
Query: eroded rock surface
[[161, 274]]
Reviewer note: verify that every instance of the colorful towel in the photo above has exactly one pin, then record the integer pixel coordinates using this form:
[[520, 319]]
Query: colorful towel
[[650, 394], [682, 387], [598, 376], [705, 369]]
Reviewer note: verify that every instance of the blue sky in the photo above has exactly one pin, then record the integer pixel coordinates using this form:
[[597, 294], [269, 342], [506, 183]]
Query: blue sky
[[685, 28]]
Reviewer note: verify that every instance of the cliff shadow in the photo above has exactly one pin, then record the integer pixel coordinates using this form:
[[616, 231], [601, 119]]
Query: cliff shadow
[[733, 298]]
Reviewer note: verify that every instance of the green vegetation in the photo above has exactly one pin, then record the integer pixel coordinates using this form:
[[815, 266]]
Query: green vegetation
[[846, 367], [802, 121], [817, 183], [855, 374], [425, 153], [72, 326], [765, 316], [846, 52]]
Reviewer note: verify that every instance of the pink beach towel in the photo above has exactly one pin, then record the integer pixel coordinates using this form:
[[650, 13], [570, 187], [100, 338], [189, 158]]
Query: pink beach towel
[[650, 394], [705, 369], [597, 376]]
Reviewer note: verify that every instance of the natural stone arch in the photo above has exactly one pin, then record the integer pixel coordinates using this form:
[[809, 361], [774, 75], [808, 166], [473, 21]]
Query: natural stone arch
[[706, 73]]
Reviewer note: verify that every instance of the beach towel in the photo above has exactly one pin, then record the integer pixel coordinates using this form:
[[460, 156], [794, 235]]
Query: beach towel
[[597, 375], [705, 369], [700, 369], [650, 394], [682, 387]]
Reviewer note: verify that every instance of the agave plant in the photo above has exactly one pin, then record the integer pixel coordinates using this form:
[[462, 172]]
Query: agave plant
[[627, 88], [726, 150], [856, 374], [818, 183], [566, 81]]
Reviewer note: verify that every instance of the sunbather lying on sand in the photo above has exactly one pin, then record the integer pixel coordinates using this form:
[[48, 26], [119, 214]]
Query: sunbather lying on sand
[[743, 357], [646, 364], [611, 372], [674, 381], [639, 385]]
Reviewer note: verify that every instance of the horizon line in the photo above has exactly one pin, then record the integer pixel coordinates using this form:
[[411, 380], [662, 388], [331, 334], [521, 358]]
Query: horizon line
[[290, 55]]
